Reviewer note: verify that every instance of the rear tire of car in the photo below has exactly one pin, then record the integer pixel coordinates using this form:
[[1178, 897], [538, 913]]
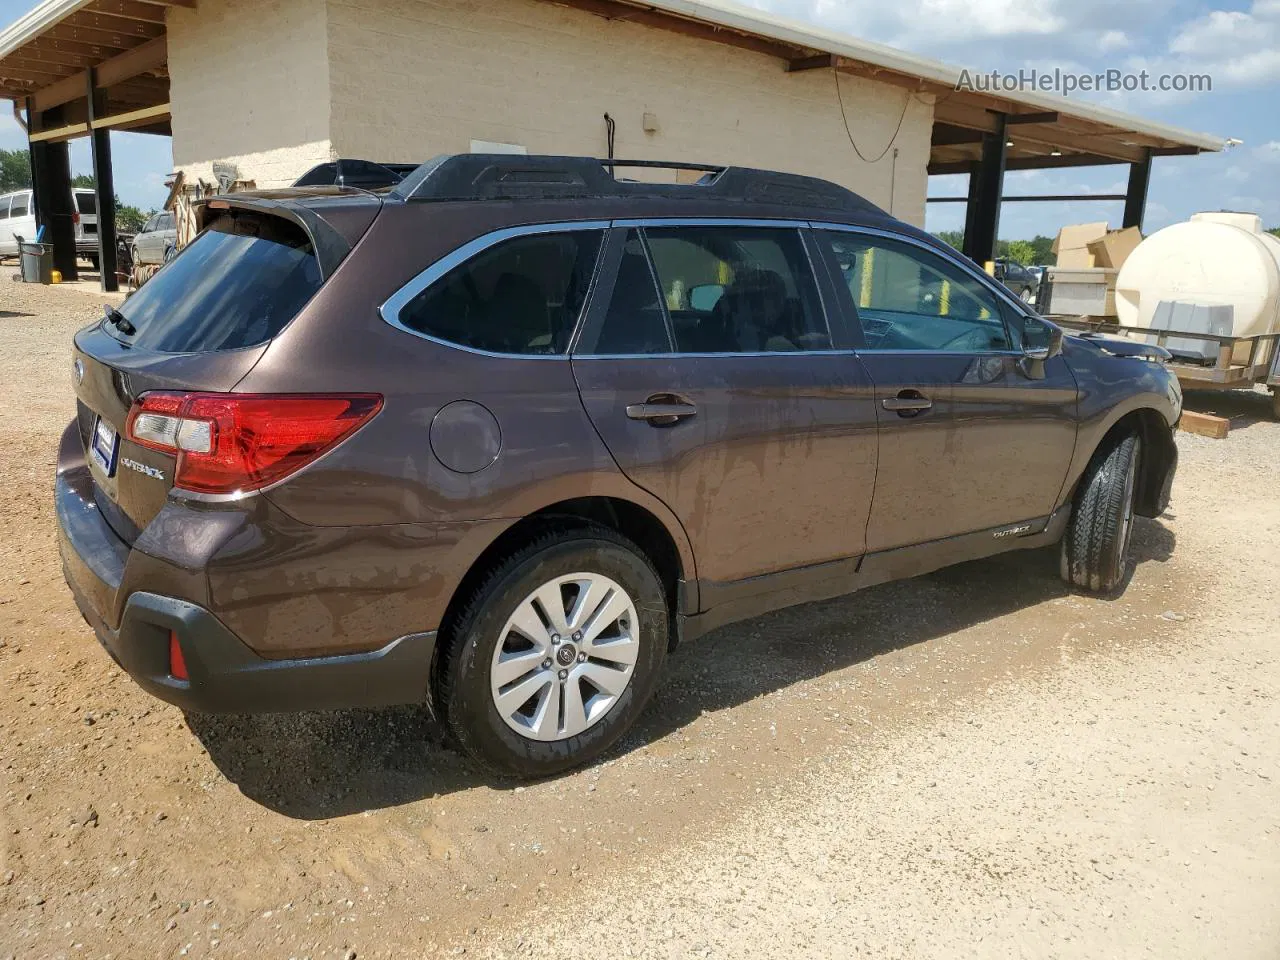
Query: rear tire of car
[[1095, 549], [467, 690], [1028, 295], [93, 260]]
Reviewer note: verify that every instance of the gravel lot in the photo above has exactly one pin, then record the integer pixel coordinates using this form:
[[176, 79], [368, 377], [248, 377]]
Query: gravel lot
[[975, 763]]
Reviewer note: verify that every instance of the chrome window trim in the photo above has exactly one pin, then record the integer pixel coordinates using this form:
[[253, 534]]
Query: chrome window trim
[[713, 356], [643, 222], [997, 289], [390, 309]]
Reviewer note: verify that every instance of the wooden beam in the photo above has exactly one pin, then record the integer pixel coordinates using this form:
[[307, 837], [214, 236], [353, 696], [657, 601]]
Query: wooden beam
[[107, 23], [35, 49], [38, 77], [72, 32], [823, 61], [134, 118], [1205, 425], [37, 66], [189, 4], [131, 63], [65, 90], [947, 166], [648, 17], [1051, 116], [130, 10], [68, 132]]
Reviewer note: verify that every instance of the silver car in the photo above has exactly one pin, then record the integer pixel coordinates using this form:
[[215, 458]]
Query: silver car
[[157, 241]]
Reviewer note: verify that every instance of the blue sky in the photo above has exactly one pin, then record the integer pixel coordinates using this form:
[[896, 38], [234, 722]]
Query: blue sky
[[1237, 43]]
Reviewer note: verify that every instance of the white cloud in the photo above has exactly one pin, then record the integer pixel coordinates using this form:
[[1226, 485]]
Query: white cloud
[[1235, 47], [1112, 40]]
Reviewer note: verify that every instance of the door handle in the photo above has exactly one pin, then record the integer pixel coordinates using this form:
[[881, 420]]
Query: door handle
[[662, 413], [908, 403]]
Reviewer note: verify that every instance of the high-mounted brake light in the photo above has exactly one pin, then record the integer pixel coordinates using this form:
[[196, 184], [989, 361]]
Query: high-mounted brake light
[[235, 443]]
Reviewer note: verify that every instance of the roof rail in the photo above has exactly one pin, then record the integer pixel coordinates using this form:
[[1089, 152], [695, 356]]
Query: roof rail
[[480, 176]]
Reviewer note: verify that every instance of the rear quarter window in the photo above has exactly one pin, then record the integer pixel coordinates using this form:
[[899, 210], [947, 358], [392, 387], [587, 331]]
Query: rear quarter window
[[87, 203], [521, 296], [235, 286]]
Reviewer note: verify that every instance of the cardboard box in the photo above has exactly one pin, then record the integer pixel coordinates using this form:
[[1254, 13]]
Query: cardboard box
[[1114, 249], [1072, 244]]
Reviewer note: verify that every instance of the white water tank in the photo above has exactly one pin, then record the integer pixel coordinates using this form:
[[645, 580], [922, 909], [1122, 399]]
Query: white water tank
[[1215, 259]]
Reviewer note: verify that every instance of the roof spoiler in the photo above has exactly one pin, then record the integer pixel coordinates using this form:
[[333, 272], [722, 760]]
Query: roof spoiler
[[331, 247], [480, 176]]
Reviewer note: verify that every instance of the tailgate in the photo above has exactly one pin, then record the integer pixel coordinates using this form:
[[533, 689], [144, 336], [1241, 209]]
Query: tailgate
[[131, 481]]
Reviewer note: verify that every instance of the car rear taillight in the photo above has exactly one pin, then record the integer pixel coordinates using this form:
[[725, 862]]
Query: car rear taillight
[[235, 443]]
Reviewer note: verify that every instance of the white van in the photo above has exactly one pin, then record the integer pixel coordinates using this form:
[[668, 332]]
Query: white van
[[18, 219]]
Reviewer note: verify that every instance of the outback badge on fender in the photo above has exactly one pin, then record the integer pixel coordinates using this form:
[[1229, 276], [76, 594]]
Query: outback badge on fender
[[1014, 531], [142, 468]]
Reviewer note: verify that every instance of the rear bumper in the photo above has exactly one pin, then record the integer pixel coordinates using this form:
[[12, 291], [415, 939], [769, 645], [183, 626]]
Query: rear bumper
[[225, 675]]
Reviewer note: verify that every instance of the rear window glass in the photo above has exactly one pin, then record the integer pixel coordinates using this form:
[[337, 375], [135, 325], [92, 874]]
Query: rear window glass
[[236, 285], [522, 296], [87, 203]]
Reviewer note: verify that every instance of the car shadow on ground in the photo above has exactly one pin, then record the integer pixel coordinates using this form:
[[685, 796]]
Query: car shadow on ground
[[1243, 408], [11, 314], [319, 765]]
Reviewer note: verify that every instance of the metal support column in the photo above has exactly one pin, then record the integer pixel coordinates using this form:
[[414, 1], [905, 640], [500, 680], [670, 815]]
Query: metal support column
[[1135, 203], [104, 187], [971, 206], [51, 184], [982, 222]]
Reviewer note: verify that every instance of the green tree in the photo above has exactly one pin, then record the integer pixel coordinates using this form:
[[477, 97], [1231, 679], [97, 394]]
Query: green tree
[[83, 180], [130, 219], [1274, 231], [953, 238], [15, 170], [1022, 251]]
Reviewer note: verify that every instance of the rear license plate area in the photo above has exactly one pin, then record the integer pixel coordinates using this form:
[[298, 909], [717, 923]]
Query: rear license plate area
[[104, 446]]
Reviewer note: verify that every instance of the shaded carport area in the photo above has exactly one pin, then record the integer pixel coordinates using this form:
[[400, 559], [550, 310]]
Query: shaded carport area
[[83, 68]]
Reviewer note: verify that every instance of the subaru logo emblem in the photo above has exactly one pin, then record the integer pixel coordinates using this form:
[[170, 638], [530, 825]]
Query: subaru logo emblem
[[78, 366]]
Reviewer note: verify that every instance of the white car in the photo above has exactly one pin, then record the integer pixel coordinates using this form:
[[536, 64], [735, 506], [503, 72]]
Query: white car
[[18, 219], [157, 241]]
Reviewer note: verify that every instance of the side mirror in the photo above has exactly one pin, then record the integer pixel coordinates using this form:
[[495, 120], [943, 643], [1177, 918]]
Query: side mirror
[[1034, 357]]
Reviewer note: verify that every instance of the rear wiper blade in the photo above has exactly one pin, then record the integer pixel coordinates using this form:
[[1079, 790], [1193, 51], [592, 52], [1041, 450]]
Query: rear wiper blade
[[118, 320]]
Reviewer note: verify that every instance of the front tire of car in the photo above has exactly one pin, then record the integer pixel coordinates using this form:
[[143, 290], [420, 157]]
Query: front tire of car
[[1096, 547], [555, 654]]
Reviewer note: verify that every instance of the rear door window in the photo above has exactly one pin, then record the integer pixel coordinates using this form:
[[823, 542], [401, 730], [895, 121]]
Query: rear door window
[[521, 296], [4, 208], [236, 285], [737, 289], [21, 204]]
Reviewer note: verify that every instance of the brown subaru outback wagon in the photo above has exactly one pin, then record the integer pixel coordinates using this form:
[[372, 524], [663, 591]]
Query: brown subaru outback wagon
[[497, 438]]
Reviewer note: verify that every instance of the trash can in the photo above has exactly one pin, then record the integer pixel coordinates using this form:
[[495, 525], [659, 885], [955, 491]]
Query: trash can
[[37, 262]]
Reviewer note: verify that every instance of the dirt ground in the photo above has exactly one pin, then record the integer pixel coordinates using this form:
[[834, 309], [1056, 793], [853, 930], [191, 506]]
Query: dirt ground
[[975, 763]]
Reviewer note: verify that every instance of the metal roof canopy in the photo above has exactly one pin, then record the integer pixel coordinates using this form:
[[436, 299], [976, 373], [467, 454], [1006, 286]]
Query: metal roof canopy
[[66, 54], [61, 38]]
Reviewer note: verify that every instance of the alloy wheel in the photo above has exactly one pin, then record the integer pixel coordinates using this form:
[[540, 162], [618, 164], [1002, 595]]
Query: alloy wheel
[[565, 657]]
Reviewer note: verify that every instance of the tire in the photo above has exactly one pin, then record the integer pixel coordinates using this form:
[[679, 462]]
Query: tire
[[93, 260], [1028, 295], [529, 740], [1275, 403], [1095, 550]]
